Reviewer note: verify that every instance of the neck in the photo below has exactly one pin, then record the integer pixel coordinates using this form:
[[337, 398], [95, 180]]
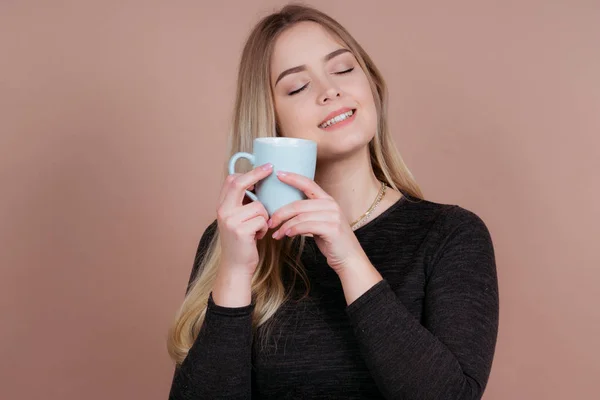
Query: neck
[[350, 181]]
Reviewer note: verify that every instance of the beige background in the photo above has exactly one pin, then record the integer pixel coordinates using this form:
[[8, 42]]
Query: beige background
[[113, 121]]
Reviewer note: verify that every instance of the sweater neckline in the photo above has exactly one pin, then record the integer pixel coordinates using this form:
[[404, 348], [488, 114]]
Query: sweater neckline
[[383, 215]]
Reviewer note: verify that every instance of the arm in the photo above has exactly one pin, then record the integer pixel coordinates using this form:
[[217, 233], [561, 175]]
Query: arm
[[218, 365], [450, 355]]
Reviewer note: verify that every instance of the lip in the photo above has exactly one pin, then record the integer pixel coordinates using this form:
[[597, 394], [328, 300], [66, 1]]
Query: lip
[[335, 114]]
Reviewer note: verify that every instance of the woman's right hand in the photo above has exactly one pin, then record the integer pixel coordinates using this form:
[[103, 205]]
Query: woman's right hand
[[240, 226]]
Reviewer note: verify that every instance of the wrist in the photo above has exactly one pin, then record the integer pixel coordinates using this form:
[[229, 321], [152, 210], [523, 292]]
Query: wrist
[[353, 265], [232, 289], [357, 278]]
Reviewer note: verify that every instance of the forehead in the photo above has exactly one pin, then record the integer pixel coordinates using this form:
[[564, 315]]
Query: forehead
[[303, 43]]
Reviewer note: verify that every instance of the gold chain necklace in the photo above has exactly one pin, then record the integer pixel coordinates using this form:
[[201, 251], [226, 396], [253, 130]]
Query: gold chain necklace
[[363, 218]]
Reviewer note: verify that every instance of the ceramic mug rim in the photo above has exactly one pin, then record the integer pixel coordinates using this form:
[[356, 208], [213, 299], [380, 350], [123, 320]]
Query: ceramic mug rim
[[285, 141]]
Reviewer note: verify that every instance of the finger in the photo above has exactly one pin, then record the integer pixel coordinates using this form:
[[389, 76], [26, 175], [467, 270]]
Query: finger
[[225, 187], [317, 228], [298, 207], [314, 217], [308, 186], [250, 211], [254, 226], [236, 187], [239, 215], [247, 198], [262, 233]]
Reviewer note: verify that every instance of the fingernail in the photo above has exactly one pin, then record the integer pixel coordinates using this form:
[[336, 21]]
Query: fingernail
[[281, 173], [267, 166], [275, 235], [270, 223]]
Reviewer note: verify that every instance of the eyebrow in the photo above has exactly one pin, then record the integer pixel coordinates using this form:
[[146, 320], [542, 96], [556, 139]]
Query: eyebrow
[[303, 67]]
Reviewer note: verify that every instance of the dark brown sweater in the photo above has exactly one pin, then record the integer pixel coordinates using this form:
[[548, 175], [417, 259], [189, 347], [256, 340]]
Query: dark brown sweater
[[427, 331]]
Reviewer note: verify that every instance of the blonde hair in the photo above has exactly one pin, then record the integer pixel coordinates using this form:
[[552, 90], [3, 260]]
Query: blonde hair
[[254, 116]]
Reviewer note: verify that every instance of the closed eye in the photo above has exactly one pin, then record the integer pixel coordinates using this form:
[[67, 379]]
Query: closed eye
[[345, 72], [305, 86], [298, 90]]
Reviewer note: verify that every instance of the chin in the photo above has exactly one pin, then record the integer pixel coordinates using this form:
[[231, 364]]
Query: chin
[[336, 148]]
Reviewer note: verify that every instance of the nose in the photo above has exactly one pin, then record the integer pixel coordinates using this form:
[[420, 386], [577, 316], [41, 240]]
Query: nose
[[331, 92]]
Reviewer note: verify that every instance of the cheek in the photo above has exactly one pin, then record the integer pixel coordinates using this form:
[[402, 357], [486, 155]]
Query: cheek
[[364, 91], [294, 120], [367, 102]]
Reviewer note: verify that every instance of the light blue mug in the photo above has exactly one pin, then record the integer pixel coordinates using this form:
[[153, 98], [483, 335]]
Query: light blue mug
[[286, 154]]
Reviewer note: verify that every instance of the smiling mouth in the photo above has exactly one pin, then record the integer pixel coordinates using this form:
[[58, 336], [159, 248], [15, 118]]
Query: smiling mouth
[[338, 119]]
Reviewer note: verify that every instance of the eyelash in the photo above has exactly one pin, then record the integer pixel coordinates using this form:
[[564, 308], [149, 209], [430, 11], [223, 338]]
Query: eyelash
[[305, 86]]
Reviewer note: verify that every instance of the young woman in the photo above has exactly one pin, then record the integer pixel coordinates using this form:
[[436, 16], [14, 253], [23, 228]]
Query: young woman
[[364, 289]]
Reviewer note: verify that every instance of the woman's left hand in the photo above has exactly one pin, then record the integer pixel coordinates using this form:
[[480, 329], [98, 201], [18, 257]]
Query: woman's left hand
[[321, 216]]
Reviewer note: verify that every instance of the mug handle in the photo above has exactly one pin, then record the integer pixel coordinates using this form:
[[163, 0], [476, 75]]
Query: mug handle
[[233, 160]]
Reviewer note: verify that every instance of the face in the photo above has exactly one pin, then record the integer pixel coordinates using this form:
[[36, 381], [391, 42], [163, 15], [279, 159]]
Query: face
[[321, 93]]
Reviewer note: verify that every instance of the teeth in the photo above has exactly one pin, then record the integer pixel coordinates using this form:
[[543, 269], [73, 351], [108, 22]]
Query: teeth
[[337, 119]]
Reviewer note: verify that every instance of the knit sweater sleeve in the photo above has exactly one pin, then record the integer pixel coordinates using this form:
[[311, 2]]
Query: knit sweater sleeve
[[218, 365], [447, 355]]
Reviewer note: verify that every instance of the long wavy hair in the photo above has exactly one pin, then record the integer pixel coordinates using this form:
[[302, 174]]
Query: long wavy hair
[[253, 117]]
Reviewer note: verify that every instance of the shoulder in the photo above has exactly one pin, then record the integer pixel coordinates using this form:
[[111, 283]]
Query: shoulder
[[420, 221], [455, 217], [458, 237], [444, 217], [446, 225]]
